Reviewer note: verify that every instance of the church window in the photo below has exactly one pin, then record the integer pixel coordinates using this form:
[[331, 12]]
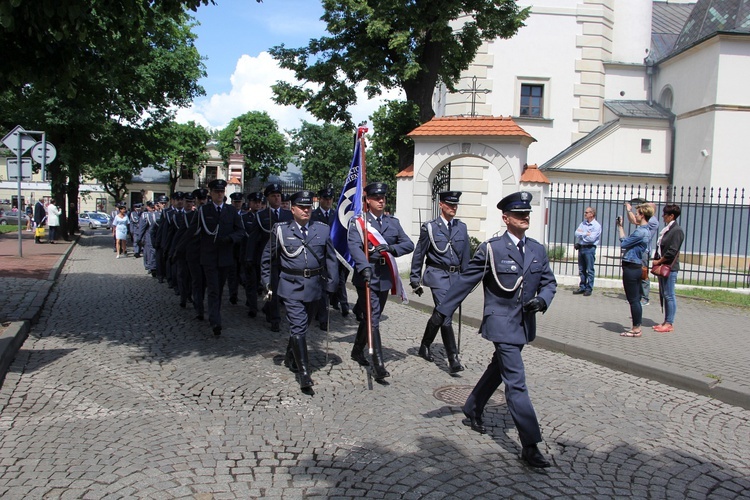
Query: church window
[[645, 145], [532, 100], [666, 100]]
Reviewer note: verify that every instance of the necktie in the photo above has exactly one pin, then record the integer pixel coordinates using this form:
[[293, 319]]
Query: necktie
[[276, 213], [304, 232], [379, 222], [450, 228], [520, 247], [218, 209]]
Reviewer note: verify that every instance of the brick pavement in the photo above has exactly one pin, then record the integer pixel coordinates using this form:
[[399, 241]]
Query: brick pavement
[[122, 401]]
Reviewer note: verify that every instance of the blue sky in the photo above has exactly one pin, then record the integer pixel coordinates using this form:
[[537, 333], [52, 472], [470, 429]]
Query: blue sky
[[234, 37]]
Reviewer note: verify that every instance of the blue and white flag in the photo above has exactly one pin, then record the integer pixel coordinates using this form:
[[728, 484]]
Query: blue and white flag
[[350, 204]]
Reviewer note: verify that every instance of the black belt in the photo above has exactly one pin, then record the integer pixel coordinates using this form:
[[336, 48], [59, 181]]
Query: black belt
[[379, 260], [450, 269], [588, 246], [305, 273]]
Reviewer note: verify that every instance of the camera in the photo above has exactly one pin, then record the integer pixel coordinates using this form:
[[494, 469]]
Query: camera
[[618, 221]]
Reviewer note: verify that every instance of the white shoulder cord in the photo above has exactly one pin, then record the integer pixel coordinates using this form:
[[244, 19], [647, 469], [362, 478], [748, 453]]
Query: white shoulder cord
[[213, 233], [490, 255], [280, 243], [434, 245], [257, 216]]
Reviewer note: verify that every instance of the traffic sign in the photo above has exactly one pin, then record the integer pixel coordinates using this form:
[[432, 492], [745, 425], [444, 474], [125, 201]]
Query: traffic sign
[[11, 140], [37, 152], [12, 164]]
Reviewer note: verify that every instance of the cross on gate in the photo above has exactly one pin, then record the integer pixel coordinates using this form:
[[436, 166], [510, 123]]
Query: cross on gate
[[473, 91]]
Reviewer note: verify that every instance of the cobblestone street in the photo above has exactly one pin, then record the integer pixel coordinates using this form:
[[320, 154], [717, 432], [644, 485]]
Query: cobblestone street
[[118, 392]]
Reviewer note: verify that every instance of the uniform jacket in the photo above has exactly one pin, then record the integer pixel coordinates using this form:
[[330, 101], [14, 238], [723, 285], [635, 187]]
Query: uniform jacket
[[503, 319], [258, 239], [249, 221], [316, 252], [455, 249], [393, 234], [216, 250], [318, 216]]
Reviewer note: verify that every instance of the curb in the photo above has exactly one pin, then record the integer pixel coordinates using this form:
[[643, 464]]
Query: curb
[[11, 341]]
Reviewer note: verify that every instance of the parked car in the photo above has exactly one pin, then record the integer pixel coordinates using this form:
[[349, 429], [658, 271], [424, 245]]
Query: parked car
[[84, 220], [103, 219], [12, 218]]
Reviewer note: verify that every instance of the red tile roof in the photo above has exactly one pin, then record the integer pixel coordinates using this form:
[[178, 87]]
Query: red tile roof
[[466, 126], [407, 172], [531, 173]]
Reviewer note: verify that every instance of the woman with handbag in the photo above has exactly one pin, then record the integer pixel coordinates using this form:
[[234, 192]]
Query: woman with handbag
[[667, 264], [634, 246]]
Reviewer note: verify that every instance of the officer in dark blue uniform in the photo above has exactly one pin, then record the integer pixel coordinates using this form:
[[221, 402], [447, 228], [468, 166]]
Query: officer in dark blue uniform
[[220, 227], [375, 268], [518, 283], [156, 235], [302, 252], [325, 214], [266, 220], [177, 255], [189, 243], [233, 280], [248, 257], [443, 251], [134, 220]]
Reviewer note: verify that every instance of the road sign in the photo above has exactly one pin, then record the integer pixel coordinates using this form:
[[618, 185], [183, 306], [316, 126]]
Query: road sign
[[37, 152], [11, 140], [13, 169]]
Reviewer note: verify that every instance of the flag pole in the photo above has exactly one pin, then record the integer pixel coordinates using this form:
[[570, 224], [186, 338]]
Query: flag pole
[[365, 208]]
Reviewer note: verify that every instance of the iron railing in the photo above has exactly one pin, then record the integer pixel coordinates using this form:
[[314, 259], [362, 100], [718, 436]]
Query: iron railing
[[716, 223]]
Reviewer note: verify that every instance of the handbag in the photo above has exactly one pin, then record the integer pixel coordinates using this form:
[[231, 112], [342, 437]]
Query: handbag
[[661, 270], [644, 273], [39, 233]]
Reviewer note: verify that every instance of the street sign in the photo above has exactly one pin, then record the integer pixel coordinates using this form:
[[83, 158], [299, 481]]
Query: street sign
[[37, 152], [11, 140], [12, 164]]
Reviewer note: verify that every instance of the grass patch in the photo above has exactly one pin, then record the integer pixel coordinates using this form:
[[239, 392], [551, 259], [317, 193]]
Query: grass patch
[[717, 296], [8, 229]]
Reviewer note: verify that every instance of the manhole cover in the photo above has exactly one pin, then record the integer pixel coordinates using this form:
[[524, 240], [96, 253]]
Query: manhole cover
[[456, 395]]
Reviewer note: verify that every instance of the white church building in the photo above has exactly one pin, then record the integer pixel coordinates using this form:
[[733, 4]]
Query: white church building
[[636, 92]]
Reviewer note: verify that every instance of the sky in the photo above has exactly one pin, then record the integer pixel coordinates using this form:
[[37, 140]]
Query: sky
[[234, 37]]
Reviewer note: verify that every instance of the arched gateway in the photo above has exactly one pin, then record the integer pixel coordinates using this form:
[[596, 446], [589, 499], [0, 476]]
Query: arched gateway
[[487, 157]]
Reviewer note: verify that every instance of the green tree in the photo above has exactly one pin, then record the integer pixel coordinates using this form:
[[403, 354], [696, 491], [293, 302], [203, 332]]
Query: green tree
[[125, 74], [324, 152], [389, 44], [263, 146], [184, 150]]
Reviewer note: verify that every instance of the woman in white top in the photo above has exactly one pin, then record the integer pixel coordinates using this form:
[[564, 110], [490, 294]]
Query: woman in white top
[[53, 220], [120, 231]]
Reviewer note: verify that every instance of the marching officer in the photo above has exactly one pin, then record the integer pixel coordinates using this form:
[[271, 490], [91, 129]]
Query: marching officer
[[443, 250], [386, 240], [303, 253], [177, 255], [249, 259], [189, 243], [134, 219], [233, 280], [518, 283], [325, 214], [220, 227], [156, 232], [145, 237], [267, 218]]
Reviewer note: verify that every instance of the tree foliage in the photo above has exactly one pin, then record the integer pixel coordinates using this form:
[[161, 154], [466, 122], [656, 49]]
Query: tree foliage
[[389, 44], [263, 146], [120, 71], [324, 152], [183, 150]]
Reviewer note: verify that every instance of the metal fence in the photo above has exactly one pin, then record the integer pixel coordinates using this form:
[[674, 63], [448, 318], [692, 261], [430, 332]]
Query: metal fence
[[716, 224]]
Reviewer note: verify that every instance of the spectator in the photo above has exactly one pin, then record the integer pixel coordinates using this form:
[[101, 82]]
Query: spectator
[[120, 231], [634, 246], [668, 253], [653, 227], [586, 240], [29, 214], [53, 220], [40, 215]]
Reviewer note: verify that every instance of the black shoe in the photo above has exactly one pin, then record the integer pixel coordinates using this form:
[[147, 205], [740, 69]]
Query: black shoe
[[176, 291], [217, 331], [137, 255], [587, 293], [233, 300], [199, 317], [380, 373], [475, 423], [161, 279], [454, 364], [252, 314], [275, 327], [359, 316], [533, 457], [324, 326], [345, 311], [359, 357], [579, 291], [183, 305], [424, 352]]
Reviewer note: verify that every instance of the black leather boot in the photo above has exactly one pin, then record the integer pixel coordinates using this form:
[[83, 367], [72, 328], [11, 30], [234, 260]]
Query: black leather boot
[[427, 339], [359, 344], [299, 347], [449, 341], [289, 361], [378, 368]]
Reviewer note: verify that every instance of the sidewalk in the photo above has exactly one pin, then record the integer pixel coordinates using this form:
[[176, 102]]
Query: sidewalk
[[25, 283], [707, 353]]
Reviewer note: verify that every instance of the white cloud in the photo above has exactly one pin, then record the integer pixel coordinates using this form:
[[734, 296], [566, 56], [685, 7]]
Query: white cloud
[[251, 91]]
